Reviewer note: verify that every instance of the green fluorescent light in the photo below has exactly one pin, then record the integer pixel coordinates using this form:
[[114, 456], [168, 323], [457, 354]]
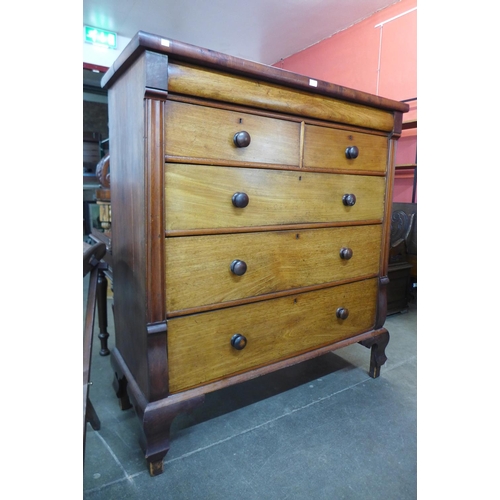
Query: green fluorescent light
[[100, 37]]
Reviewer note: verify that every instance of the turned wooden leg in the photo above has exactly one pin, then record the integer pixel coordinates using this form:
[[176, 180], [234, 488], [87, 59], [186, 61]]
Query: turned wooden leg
[[156, 422], [377, 356], [102, 312]]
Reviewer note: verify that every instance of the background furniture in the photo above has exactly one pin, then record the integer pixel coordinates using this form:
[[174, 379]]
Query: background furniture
[[92, 255], [406, 161], [402, 257], [95, 168], [250, 224], [403, 254], [103, 236], [105, 276]]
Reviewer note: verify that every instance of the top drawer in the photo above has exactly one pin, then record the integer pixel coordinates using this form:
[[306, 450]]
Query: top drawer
[[194, 131], [210, 84]]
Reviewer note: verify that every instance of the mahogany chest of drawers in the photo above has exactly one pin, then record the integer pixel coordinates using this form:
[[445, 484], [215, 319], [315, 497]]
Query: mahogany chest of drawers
[[251, 217]]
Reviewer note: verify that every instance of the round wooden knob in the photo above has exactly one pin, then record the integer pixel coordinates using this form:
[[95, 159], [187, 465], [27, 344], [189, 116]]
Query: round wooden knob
[[240, 200], [349, 200], [351, 152], [342, 313], [238, 341], [345, 253], [241, 139], [238, 267]]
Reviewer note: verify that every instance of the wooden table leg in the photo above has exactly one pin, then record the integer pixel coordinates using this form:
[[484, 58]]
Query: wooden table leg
[[102, 311]]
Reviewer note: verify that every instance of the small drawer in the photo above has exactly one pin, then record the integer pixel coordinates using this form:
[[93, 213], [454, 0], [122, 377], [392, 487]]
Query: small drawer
[[203, 348], [203, 197], [206, 270], [342, 149], [193, 131]]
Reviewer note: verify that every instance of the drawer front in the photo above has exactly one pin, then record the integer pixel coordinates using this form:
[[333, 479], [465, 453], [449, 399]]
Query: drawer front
[[199, 267], [200, 197], [199, 346], [194, 131], [210, 84], [328, 148]]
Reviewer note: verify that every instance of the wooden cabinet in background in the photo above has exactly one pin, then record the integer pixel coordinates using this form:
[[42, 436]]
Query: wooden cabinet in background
[[251, 219], [403, 254], [402, 257]]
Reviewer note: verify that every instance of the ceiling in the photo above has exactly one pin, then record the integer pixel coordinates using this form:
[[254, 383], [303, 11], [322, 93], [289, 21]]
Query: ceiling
[[260, 30]]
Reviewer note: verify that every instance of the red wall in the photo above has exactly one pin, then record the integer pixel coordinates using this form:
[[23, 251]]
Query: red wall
[[380, 60]]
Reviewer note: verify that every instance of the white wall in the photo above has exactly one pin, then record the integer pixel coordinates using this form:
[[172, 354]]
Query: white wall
[[102, 56]]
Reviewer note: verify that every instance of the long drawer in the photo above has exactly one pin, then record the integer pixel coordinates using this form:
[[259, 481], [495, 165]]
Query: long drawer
[[203, 270], [224, 87], [194, 131], [342, 149], [201, 197], [200, 350]]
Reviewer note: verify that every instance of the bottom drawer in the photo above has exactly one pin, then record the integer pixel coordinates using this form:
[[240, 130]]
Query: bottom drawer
[[199, 345]]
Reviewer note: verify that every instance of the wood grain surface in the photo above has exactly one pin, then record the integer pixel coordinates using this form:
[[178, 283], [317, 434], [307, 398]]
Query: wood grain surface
[[199, 348], [204, 132], [325, 148], [210, 84], [200, 197], [198, 267]]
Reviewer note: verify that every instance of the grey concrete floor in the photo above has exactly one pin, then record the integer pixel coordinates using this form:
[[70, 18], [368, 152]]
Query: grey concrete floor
[[319, 430]]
